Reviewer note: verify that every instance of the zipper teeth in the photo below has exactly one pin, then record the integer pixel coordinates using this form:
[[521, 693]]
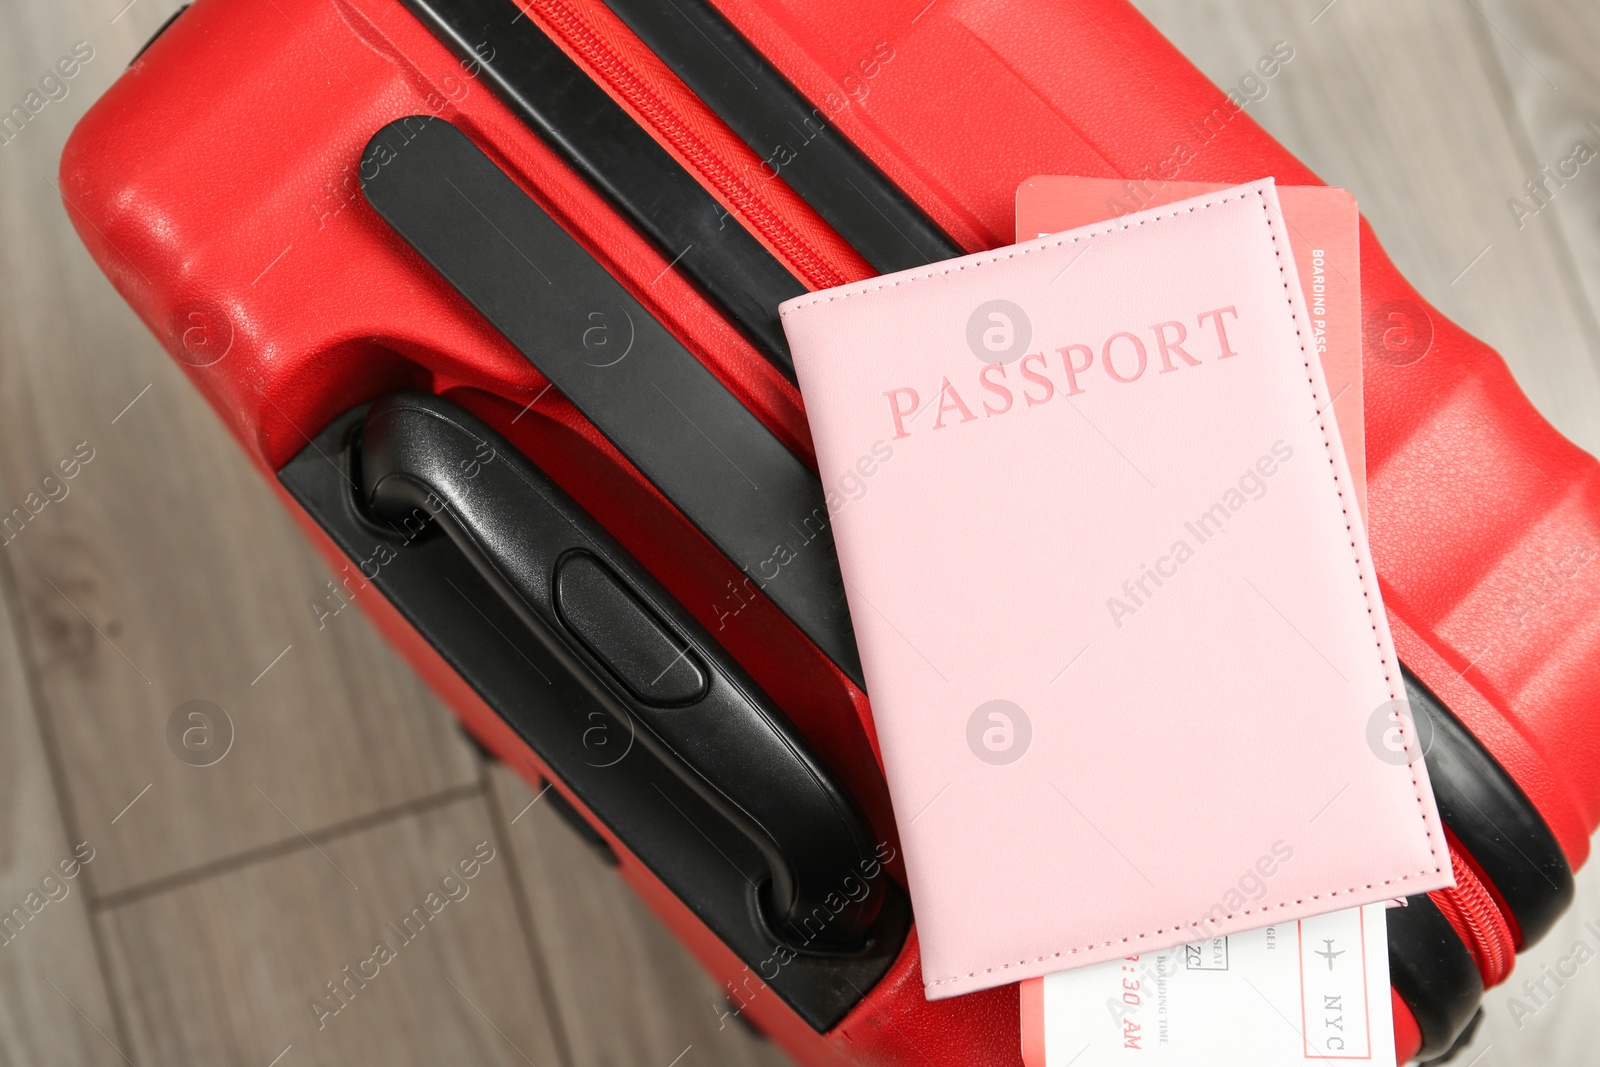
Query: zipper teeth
[[1475, 917], [617, 73]]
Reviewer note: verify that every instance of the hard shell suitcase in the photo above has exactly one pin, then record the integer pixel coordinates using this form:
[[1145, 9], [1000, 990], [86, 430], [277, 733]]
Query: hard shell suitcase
[[488, 292]]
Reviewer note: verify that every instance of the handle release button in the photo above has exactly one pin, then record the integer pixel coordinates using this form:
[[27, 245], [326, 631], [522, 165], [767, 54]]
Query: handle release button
[[647, 657]]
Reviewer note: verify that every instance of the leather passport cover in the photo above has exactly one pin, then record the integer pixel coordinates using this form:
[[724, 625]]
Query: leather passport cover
[[1128, 663], [1324, 228]]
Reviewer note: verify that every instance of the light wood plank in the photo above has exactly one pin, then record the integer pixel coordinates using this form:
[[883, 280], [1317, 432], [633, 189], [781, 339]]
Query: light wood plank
[[1400, 102], [169, 572], [49, 970], [628, 992], [225, 970], [1549, 55]]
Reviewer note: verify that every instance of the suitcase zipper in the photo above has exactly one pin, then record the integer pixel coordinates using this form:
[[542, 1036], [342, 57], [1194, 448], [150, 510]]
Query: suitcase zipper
[[650, 106], [1472, 912], [795, 136]]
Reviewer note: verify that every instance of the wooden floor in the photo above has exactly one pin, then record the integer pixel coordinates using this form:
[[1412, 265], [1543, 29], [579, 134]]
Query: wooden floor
[[218, 900]]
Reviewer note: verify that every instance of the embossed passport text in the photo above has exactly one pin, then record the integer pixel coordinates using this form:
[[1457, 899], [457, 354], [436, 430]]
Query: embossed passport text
[[1115, 606]]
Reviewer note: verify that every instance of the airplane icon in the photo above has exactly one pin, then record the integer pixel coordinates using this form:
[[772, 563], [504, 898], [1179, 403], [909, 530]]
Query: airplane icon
[[1328, 953]]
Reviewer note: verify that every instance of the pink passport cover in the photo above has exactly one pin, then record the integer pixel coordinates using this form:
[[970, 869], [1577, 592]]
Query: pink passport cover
[[1081, 770], [1324, 229]]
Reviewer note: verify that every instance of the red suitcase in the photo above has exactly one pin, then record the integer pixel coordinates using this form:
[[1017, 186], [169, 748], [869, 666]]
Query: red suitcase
[[250, 189]]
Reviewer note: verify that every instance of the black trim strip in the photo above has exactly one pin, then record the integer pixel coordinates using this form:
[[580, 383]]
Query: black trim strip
[[556, 99], [1433, 973], [163, 28], [794, 137], [1492, 818], [648, 394], [1463, 1039]]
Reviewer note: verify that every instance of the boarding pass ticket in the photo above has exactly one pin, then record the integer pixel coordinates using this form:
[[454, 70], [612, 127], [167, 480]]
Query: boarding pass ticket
[[1311, 991]]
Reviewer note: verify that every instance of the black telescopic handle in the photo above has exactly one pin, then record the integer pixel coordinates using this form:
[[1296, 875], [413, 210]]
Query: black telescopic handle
[[647, 660]]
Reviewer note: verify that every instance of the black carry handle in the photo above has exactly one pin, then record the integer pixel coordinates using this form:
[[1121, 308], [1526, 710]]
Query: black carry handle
[[648, 662]]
